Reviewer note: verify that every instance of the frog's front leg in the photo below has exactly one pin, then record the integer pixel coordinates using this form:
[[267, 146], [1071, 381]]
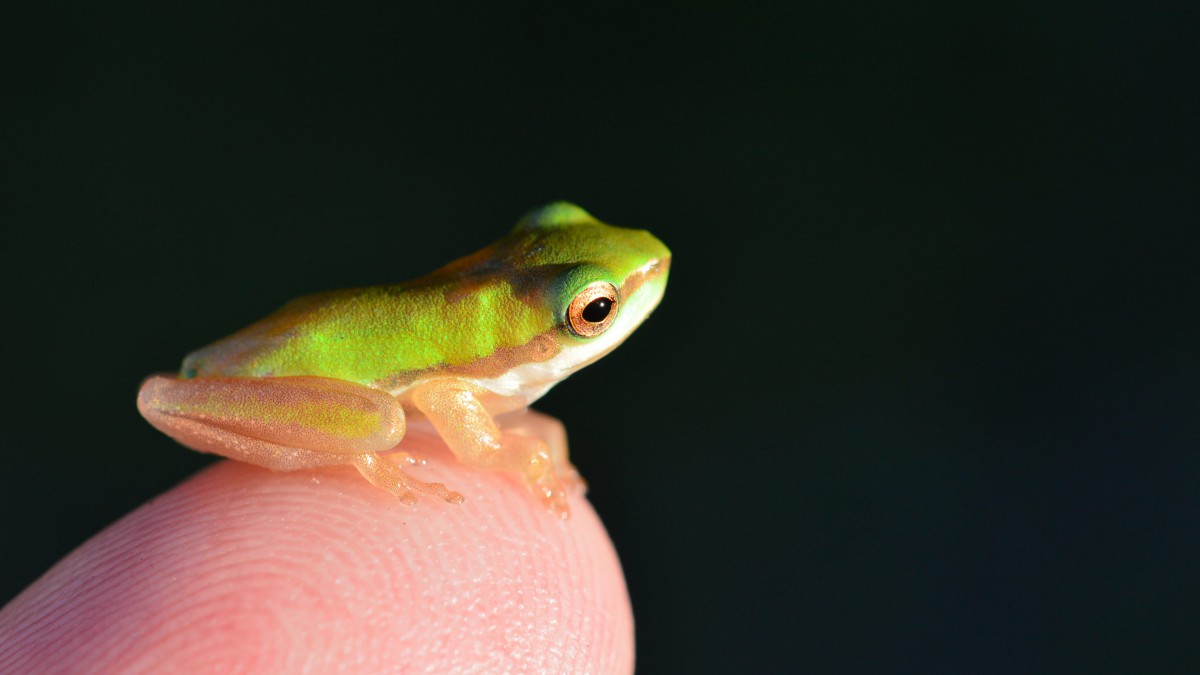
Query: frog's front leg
[[286, 423], [454, 408]]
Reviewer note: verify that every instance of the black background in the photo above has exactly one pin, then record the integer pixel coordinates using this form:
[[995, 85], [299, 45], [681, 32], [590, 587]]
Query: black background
[[923, 392]]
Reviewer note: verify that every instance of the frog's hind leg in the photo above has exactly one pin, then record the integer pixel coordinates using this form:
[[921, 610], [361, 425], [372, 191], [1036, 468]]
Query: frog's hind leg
[[287, 423], [388, 476]]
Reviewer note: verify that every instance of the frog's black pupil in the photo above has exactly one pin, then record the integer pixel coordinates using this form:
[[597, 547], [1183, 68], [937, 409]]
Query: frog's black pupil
[[597, 310]]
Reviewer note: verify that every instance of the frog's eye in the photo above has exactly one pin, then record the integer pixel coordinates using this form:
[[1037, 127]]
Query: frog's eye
[[593, 310]]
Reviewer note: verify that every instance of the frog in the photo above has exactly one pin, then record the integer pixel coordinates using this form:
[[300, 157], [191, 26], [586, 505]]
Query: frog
[[335, 378]]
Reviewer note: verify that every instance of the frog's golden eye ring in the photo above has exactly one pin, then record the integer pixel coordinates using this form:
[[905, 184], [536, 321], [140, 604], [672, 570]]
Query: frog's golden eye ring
[[593, 310]]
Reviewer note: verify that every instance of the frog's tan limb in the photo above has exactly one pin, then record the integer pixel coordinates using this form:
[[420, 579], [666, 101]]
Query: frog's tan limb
[[540, 425], [465, 424], [286, 423]]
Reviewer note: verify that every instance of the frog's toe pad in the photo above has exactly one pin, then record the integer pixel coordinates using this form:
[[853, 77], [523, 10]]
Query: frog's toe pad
[[555, 501]]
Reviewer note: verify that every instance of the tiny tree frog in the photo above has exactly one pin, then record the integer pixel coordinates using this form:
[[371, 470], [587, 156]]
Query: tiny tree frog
[[332, 378]]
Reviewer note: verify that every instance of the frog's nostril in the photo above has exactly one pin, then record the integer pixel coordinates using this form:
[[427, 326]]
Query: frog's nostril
[[657, 267]]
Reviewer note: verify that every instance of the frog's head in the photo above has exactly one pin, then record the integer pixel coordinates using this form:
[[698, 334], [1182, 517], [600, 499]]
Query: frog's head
[[598, 282]]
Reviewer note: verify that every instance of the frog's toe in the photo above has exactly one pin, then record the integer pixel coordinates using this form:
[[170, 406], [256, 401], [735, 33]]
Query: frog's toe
[[407, 457], [445, 493], [554, 498], [390, 477], [572, 480], [544, 482]]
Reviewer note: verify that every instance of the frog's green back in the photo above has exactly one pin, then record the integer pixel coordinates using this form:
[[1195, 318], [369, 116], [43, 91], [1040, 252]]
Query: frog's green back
[[364, 335], [498, 298]]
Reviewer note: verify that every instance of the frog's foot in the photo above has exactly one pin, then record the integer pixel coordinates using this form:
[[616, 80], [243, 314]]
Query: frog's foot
[[533, 459], [538, 425], [391, 477], [548, 467]]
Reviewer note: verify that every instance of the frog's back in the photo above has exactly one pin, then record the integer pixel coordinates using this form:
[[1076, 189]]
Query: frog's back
[[370, 335]]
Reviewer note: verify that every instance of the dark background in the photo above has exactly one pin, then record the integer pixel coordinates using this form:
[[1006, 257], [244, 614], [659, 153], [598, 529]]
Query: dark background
[[922, 395]]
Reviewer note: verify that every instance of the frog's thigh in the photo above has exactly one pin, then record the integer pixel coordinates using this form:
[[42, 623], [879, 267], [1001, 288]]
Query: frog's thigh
[[278, 422], [465, 424], [287, 423]]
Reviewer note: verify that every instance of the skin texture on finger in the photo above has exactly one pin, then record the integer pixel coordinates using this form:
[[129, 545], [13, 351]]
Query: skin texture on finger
[[240, 569]]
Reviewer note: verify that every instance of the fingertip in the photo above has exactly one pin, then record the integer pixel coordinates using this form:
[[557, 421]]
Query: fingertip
[[245, 568]]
